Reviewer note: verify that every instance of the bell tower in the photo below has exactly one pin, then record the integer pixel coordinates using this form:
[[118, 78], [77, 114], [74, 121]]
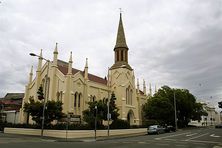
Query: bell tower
[[121, 48], [122, 80]]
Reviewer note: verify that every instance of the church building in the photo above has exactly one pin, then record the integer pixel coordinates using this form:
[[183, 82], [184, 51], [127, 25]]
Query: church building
[[75, 88]]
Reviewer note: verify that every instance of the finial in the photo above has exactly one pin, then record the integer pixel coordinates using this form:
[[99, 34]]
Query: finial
[[120, 12], [86, 63], [31, 72], [40, 53], [56, 48], [70, 59], [138, 82]]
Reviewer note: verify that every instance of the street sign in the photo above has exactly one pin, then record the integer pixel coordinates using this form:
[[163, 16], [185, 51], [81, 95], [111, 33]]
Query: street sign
[[109, 116]]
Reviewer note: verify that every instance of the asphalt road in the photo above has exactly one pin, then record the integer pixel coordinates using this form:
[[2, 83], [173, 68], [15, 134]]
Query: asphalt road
[[196, 138]]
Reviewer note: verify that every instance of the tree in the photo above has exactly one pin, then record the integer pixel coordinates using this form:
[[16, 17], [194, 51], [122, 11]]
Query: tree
[[220, 104], [40, 93], [160, 107], [53, 111], [89, 114], [113, 108]]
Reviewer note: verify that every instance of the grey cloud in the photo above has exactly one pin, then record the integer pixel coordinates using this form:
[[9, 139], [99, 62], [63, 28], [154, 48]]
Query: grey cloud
[[177, 43]]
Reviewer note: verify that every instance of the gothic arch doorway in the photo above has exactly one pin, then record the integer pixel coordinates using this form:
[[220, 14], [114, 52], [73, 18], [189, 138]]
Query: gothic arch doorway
[[130, 117]]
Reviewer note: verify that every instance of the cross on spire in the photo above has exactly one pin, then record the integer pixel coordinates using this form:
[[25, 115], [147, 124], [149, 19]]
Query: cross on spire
[[120, 10]]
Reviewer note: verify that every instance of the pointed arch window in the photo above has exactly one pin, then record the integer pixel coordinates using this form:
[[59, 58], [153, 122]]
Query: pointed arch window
[[131, 97], [127, 96], [126, 56], [79, 100], [121, 55], [94, 98], [117, 52], [75, 99]]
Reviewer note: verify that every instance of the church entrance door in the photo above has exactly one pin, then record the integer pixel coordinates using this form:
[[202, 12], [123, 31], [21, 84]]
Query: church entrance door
[[130, 117]]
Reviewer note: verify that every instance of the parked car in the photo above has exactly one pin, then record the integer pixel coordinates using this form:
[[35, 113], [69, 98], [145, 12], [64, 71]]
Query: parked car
[[155, 129], [170, 128], [218, 126]]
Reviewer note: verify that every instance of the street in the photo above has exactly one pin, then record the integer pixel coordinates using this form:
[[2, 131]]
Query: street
[[195, 138]]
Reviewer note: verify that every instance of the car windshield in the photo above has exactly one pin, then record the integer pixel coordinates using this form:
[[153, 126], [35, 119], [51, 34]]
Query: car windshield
[[153, 127]]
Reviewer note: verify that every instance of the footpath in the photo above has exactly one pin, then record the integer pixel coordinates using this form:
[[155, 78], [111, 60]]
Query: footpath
[[75, 135]]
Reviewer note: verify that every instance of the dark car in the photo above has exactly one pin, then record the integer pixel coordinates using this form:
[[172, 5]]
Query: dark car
[[170, 128], [218, 126], [155, 129]]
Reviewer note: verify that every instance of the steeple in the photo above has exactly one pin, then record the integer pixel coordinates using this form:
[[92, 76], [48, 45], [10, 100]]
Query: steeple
[[55, 55], [70, 64], [30, 75], [120, 40], [86, 69], [121, 48]]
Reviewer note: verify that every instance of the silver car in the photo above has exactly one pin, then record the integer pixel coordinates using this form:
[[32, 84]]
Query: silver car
[[155, 129]]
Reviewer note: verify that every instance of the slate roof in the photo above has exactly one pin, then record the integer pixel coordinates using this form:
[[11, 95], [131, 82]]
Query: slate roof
[[63, 67]]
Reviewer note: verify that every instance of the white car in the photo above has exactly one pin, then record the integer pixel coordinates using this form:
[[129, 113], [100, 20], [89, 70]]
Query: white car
[[155, 129]]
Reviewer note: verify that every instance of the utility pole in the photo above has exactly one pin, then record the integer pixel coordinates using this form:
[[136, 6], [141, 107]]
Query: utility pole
[[175, 109], [95, 121], [108, 103]]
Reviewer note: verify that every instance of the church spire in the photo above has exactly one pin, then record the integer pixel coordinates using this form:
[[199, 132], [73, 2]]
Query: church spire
[[120, 40], [121, 48]]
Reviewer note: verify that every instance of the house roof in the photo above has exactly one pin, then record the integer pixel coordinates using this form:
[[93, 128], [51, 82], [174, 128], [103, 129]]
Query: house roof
[[63, 67], [13, 96]]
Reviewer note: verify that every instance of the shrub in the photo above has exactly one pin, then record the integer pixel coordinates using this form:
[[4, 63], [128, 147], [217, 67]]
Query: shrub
[[120, 124]]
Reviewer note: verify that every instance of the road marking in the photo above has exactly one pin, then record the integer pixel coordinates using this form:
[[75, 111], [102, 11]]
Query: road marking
[[196, 137], [181, 145], [141, 142], [213, 135], [162, 144], [172, 136], [212, 142], [191, 134]]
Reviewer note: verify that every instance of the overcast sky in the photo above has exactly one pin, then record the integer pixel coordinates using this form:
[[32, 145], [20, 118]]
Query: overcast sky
[[171, 42]]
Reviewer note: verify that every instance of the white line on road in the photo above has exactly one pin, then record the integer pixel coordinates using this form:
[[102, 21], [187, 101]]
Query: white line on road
[[191, 134], [213, 142], [213, 135], [181, 145], [162, 144], [141, 142], [172, 136], [196, 137]]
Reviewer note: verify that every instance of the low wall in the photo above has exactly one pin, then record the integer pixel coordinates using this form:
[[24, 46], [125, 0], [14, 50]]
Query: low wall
[[73, 133]]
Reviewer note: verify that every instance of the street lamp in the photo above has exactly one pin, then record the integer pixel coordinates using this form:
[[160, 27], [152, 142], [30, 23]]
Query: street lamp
[[46, 85]]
